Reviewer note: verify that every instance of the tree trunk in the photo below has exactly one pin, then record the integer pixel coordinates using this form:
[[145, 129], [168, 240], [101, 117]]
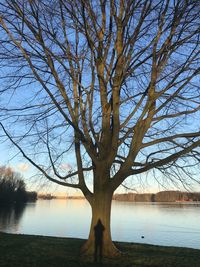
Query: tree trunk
[[101, 210]]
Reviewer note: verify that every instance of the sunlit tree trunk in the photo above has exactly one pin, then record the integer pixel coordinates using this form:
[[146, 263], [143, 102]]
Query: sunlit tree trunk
[[101, 209]]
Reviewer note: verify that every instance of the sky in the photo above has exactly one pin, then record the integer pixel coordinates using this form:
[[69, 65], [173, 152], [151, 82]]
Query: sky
[[10, 157]]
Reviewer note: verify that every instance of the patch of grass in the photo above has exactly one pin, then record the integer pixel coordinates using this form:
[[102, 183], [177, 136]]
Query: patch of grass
[[40, 251]]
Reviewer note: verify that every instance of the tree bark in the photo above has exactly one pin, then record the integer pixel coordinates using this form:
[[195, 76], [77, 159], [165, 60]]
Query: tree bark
[[101, 209]]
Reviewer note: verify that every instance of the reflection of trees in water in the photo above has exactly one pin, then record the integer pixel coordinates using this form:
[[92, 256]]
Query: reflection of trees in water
[[10, 216]]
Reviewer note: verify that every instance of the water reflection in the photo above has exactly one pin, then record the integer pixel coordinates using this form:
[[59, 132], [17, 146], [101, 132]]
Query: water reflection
[[172, 224], [10, 216]]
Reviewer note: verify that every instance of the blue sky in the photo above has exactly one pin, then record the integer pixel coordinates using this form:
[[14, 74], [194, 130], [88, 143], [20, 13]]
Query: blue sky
[[24, 94], [9, 156]]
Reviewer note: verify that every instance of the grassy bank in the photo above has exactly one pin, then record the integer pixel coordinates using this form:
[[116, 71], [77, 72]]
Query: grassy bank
[[39, 251]]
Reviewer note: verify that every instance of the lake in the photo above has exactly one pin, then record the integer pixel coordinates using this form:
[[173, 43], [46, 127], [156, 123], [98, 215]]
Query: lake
[[168, 224]]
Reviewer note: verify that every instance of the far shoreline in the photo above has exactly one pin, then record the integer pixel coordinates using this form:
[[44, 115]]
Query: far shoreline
[[162, 196]]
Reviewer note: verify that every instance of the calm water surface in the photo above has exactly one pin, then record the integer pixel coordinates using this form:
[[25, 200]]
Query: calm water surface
[[167, 224]]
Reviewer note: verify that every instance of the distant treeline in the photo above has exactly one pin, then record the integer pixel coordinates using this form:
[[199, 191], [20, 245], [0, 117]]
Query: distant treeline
[[13, 188], [46, 196], [50, 196], [163, 196]]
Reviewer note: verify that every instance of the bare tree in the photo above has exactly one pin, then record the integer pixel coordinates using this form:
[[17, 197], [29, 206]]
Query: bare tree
[[112, 82], [12, 187]]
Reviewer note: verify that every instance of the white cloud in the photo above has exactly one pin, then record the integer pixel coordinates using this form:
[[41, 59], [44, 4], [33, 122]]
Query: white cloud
[[23, 167], [66, 166]]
